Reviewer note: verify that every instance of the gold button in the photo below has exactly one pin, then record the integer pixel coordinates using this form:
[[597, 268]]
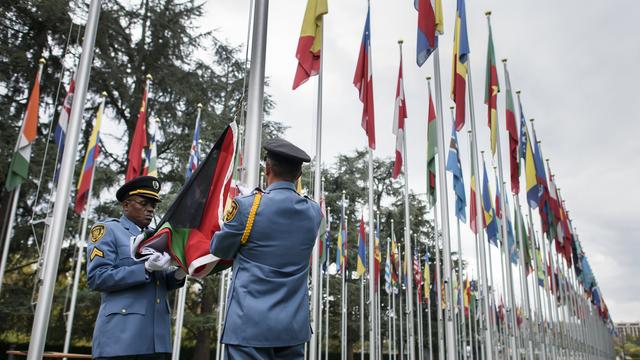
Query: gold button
[[158, 301], [157, 282], [124, 311]]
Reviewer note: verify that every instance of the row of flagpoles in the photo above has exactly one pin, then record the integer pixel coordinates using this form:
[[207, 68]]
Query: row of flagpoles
[[580, 327]]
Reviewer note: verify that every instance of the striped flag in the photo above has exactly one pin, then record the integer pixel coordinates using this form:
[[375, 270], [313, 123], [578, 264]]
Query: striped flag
[[427, 41], [377, 258], [473, 212], [432, 150], [490, 221], [363, 81], [19, 168], [417, 275], [61, 128], [388, 280], [399, 116], [194, 152], [491, 93], [512, 130], [151, 151], [89, 163], [460, 61], [454, 166], [427, 276], [341, 253], [530, 172], [138, 142], [309, 48], [361, 267]]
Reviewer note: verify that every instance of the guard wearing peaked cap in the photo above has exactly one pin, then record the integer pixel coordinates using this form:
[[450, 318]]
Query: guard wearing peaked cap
[[134, 319], [270, 235]]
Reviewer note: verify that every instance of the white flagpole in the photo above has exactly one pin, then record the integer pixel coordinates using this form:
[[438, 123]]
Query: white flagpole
[[362, 317], [343, 299], [52, 257], [510, 298], [419, 306], [400, 306], [488, 336], [317, 194], [444, 207], [221, 302], [326, 322], [441, 353], [80, 245]]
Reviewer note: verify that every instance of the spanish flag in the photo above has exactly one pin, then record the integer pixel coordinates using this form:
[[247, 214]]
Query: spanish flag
[[310, 42], [460, 63]]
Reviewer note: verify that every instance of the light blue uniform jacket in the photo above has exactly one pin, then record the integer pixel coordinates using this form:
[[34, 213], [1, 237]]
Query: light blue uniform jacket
[[268, 298], [134, 316]]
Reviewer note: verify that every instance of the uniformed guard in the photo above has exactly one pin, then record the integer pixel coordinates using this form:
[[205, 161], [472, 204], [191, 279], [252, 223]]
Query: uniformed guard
[[270, 235], [134, 317]]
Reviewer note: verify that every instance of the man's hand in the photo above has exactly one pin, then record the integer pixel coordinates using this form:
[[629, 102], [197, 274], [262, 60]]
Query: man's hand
[[158, 262], [179, 274]]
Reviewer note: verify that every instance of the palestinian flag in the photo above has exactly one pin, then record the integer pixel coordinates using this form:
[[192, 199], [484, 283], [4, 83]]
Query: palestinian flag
[[186, 230]]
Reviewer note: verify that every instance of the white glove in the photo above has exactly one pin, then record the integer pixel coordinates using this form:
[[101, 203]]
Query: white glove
[[179, 274], [158, 262], [134, 242]]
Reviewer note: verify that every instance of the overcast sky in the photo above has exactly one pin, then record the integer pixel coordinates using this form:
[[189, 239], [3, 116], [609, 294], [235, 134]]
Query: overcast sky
[[575, 63]]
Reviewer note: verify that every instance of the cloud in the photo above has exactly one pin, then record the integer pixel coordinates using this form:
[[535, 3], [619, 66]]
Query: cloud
[[575, 64]]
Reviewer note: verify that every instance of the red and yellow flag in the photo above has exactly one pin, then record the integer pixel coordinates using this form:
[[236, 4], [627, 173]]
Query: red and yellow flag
[[310, 42]]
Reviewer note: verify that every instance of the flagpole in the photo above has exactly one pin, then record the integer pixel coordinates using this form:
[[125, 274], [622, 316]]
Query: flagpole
[[80, 245], [523, 269], [221, 302], [377, 278], [43, 308], [488, 340], [444, 207], [418, 307], [9, 232], [15, 197], [326, 322], [255, 96], [438, 286], [400, 308], [343, 325], [481, 269], [362, 315]]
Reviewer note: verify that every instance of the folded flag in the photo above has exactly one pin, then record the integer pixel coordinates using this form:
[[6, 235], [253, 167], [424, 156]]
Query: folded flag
[[186, 230]]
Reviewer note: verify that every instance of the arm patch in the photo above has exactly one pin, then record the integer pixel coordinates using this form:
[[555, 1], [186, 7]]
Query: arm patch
[[96, 252], [97, 232], [231, 211]]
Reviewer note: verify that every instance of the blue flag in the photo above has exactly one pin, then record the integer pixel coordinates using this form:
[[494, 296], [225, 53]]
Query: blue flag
[[453, 165]]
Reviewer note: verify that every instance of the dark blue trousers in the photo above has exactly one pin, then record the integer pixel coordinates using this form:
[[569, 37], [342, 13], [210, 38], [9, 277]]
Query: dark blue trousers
[[238, 352]]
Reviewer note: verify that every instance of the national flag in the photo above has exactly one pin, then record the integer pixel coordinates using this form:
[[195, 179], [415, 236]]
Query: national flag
[[399, 117], [530, 172], [138, 141], [467, 296], [388, 280], [511, 241], [417, 275], [377, 258], [427, 276], [341, 253], [454, 166], [473, 211], [521, 228], [427, 40], [432, 150], [89, 163], [395, 265], [460, 62], [187, 228], [151, 151], [19, 168], [194, 152], [541, 272], [512, 130], [490, 221], [61, 128], [363, 81], [361, 267], [543, 187], [491, 93], [309, 48]]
